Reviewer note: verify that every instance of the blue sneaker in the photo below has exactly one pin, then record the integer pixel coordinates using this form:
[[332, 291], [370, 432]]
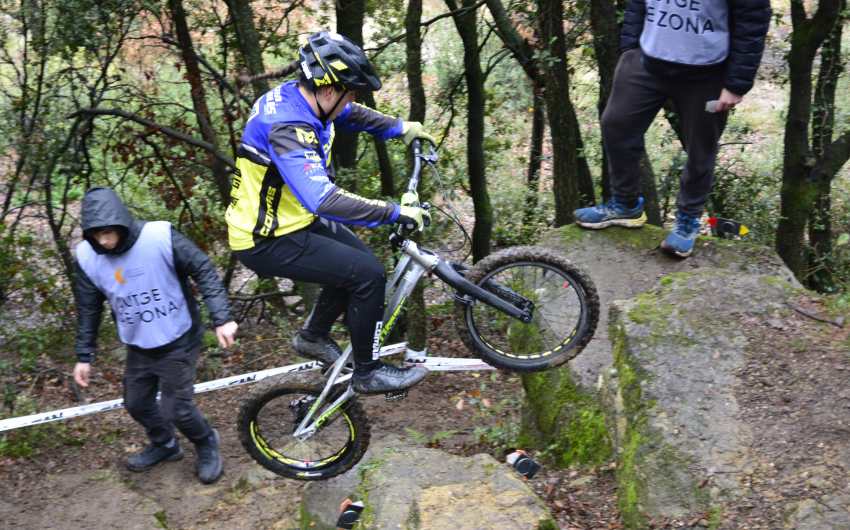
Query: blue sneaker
[[611, 213], [680, 241]]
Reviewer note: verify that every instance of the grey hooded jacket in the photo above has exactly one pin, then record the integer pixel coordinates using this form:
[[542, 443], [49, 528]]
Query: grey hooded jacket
[[101, 208]]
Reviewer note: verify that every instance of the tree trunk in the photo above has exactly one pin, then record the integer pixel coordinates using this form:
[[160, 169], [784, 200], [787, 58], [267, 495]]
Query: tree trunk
[[466, 24], [249, 42], [799, 190], [349, 22], [199, 101], [559, 109], [417, 318], [535, 157], [606, 31], [384, 163], [823, 124], [606, 44]]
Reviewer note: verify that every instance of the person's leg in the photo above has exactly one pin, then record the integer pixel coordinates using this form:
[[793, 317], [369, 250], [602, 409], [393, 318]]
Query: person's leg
[[701, 131], [332, 300], [333, 259], [636, 97], [140, 388], [176, 372]]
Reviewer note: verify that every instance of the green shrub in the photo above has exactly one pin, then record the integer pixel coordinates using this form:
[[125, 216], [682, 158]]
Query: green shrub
[[30, 441]]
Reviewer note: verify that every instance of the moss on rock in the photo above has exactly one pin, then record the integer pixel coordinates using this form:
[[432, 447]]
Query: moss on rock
[[563, 419], [644, 238]]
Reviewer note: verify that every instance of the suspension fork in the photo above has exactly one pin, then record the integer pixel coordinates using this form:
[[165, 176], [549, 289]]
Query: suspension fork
[[452, 276]]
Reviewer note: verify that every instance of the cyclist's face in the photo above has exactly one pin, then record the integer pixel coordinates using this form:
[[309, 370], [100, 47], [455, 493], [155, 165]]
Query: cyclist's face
[[107, 238], [328, 96]]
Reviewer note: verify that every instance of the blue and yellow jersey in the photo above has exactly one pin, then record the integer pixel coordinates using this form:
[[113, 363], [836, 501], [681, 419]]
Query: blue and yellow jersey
[[283, 181]]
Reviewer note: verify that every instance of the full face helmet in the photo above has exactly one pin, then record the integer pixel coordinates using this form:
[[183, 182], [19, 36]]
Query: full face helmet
[[330, 59]]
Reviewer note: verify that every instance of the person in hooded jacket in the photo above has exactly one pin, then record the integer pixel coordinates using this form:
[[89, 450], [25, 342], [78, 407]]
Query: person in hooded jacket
[[703, 56], [142, 269], [287, 217]]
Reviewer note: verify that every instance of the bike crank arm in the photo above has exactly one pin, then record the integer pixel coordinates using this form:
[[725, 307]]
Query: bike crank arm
[[304, 432]]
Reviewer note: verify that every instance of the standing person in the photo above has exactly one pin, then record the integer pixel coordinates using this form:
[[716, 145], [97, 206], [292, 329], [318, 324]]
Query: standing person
[[692, 52], [286, 215], [142, 270]]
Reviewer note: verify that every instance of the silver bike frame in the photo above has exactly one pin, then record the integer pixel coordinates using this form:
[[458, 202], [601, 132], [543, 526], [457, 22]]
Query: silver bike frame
[[414, 263]]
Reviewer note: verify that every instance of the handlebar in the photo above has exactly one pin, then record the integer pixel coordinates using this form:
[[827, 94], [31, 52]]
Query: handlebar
[[413, 183], [418, 156]]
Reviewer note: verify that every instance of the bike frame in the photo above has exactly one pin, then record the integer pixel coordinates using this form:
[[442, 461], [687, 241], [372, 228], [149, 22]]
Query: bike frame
[[414, 263]]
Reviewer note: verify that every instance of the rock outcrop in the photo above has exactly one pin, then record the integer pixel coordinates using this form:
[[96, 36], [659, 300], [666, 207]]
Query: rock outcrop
[[692, 435], [625, 262], [416, 488]]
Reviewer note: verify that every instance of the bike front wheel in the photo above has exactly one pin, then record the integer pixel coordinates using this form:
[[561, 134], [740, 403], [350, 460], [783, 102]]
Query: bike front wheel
[[564, 317], [271, 413]]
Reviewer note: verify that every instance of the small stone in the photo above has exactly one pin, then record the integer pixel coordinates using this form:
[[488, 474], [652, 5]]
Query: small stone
[[581, 481], [292, 301]]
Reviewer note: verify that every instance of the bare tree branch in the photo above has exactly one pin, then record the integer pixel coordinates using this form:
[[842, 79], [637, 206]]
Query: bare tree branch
[[168, 131]]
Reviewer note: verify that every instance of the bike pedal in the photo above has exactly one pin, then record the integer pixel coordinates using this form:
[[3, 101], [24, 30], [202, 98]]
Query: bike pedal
[[395, 395]]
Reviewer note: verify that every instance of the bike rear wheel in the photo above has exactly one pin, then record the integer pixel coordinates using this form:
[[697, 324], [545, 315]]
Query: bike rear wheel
[[272, 412], [565, 315]]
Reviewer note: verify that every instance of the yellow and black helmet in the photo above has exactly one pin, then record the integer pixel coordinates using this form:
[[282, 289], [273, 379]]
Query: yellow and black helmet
[[330, 59]]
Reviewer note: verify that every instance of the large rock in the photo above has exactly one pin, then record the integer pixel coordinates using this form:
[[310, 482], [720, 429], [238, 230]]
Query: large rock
[[625, 262], [678, 431], [419, 488]]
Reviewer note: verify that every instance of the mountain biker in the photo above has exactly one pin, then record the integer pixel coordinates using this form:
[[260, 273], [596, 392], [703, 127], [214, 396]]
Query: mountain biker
[[690, 52], [286, 217], [142, 269]]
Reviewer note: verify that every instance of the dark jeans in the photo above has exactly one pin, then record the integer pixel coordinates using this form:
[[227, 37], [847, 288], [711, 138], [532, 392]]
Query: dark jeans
[[636, 98], [330, 254], [173, 374]]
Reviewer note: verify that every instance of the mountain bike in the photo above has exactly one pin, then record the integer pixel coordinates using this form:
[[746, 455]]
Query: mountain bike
[[524, 309]]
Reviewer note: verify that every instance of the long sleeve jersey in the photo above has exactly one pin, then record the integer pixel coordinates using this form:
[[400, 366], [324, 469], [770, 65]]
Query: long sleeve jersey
[[284, 169]]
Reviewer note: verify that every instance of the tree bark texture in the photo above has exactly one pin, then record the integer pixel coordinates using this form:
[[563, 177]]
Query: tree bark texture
[[535, 158], [560, 112], [385, 166], [466, 24], [823, 124], [350, 15], [199, 101], [802, 167]]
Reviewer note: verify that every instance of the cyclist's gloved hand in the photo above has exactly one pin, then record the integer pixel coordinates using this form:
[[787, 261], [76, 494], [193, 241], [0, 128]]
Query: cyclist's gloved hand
[[414, 218], [410, 198], [413, 130]]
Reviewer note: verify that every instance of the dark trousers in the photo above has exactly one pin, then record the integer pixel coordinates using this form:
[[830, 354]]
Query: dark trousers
[[636, 98], [173, 374], [329, 254]]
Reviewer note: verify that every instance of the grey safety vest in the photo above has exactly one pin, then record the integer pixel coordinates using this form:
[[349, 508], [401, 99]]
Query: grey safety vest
[[142, 287], [694, 32]]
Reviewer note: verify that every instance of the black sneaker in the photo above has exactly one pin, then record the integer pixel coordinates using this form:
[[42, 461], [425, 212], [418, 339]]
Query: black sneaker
[[152, 455], [323, 349], [387, 379], [209, 466]]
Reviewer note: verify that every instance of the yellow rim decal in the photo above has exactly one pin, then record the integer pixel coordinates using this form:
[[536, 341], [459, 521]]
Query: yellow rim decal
[[261, 444]]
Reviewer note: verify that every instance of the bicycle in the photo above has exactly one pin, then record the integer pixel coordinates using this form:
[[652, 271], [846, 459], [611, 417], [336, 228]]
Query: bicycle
[[523, 309]]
